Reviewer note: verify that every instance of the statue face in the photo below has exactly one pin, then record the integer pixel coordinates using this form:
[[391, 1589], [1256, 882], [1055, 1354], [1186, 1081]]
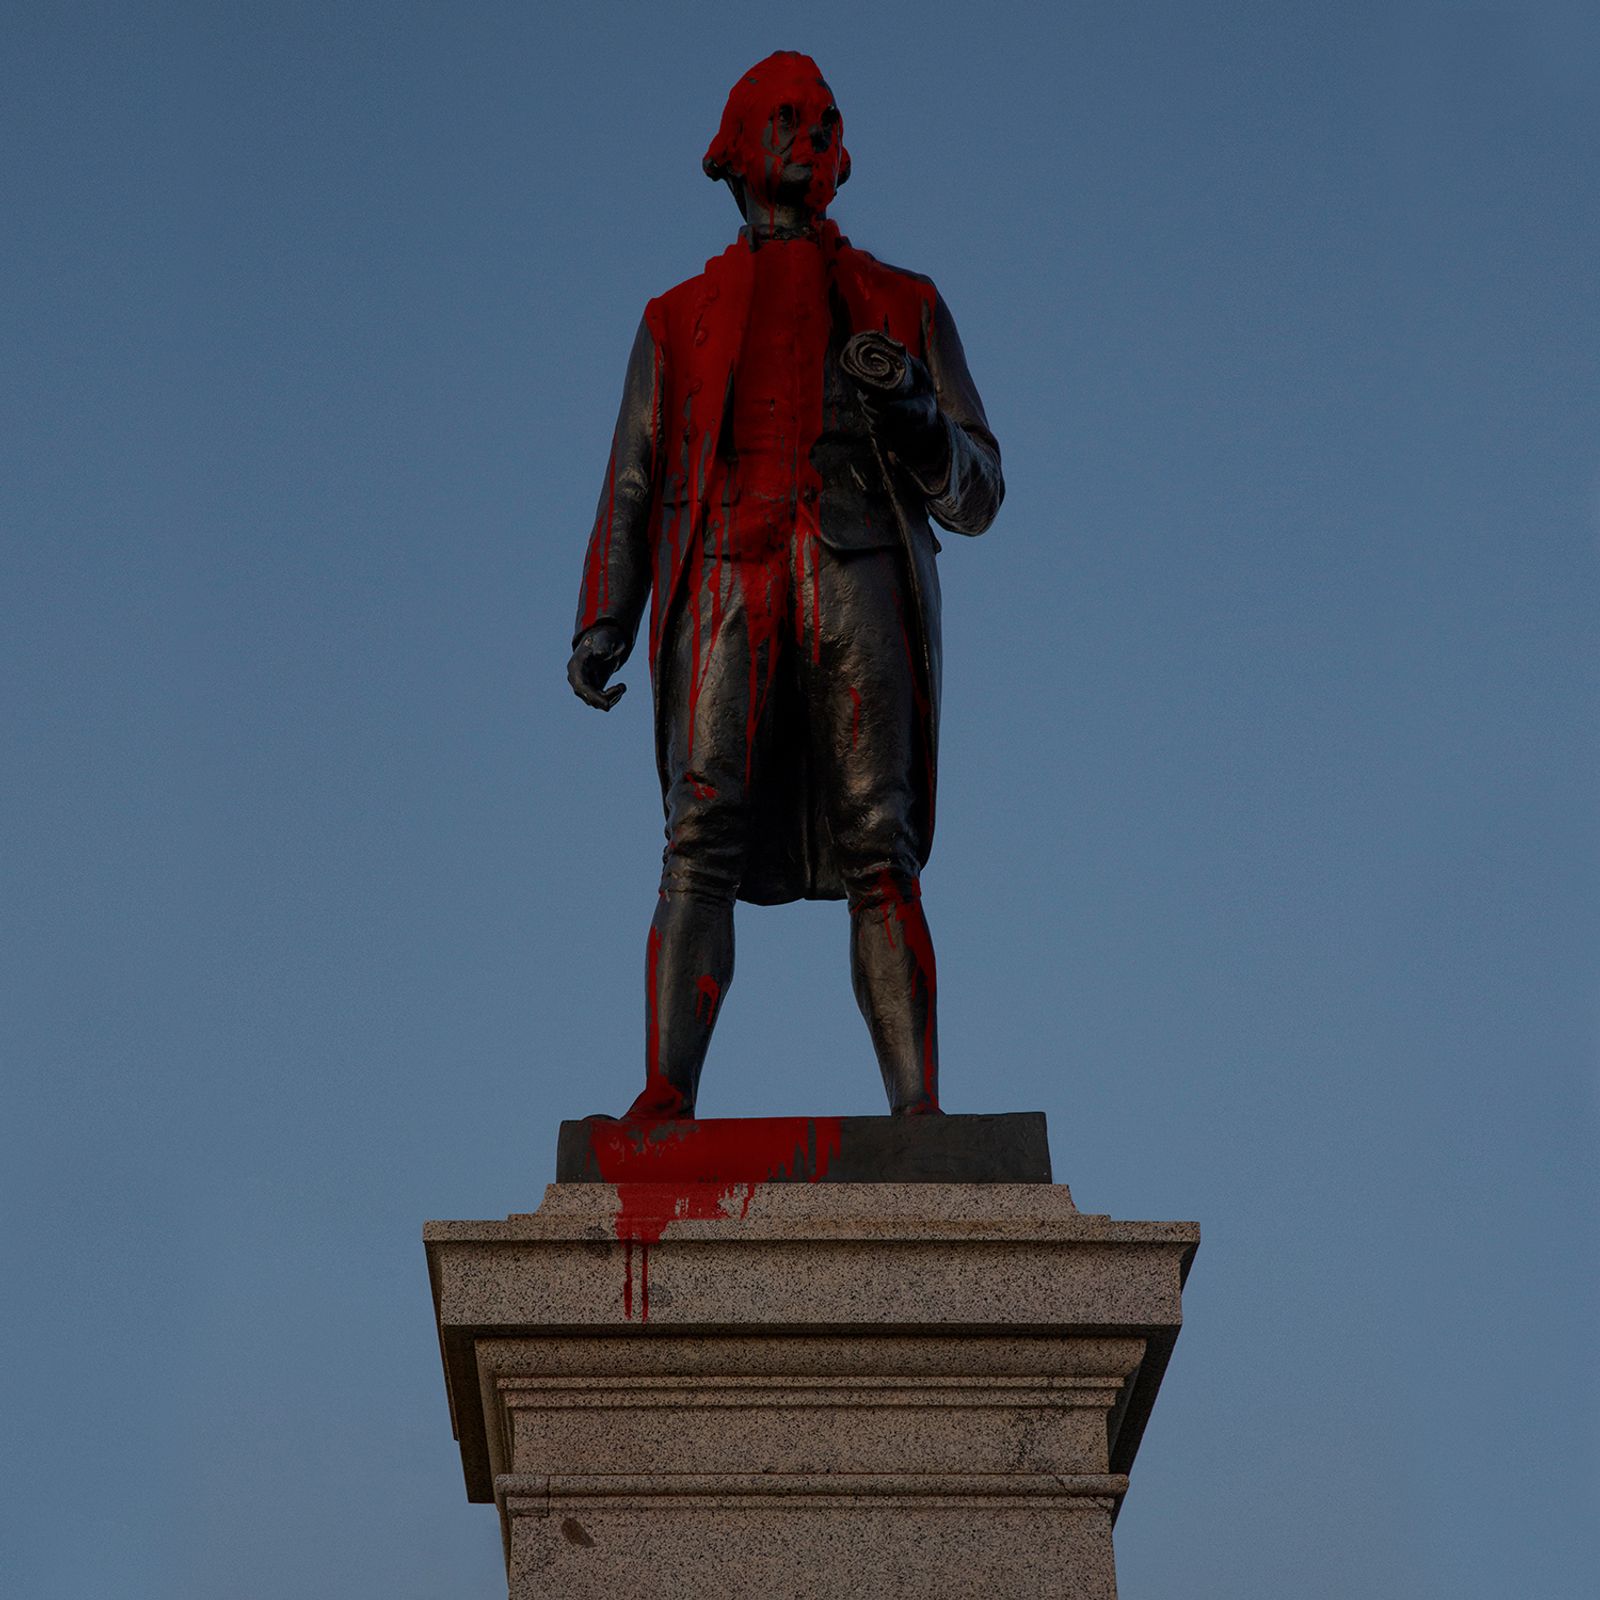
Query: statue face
[[782, 135]]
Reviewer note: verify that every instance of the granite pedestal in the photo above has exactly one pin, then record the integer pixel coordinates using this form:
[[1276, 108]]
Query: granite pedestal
[[737, 1388]]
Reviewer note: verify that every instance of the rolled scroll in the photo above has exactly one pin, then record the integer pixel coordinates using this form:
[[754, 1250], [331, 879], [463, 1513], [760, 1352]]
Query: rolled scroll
[[875, 361]]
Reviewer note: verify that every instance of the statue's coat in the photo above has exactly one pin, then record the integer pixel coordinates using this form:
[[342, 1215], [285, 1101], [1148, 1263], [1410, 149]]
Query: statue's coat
[[666, 503]]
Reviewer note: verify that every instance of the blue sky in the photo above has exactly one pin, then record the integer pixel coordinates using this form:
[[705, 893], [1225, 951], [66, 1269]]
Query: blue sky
[[1267, 852]]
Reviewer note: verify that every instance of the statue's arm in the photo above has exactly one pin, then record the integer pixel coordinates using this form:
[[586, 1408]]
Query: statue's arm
[[616, 566], [968, 496]]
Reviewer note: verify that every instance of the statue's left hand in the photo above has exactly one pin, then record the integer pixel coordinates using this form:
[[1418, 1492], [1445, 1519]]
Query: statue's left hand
[[901, 403], [907, 423], [600, 650], [907, 414]]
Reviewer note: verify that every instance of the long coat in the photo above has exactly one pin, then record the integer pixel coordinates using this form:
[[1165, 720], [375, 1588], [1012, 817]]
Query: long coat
[[666, 489]]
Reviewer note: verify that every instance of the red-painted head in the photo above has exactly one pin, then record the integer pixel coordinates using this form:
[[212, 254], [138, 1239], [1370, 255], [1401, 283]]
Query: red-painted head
[[782, 137]]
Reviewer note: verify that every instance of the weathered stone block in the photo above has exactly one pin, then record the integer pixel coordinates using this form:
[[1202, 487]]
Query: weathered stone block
[[805, 1389]]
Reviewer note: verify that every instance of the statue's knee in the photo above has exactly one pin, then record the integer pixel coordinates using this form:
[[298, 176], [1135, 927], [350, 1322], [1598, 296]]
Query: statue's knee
[[707, 841], [685, 880], [876, 850]]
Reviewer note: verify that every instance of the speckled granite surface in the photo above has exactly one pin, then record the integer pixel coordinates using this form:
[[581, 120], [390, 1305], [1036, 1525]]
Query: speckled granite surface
[[796, 1390]]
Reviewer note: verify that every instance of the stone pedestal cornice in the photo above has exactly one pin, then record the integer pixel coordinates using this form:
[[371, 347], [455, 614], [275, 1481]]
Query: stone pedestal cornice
[[904, 1371]]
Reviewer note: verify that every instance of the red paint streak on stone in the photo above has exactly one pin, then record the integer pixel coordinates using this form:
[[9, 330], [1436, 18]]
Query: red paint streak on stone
[[667, 1172]]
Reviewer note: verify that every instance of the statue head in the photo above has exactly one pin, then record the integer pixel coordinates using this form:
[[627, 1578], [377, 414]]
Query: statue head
[[781, 139]]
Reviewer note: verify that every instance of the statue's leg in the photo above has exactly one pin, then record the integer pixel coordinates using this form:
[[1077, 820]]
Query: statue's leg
[[714, 668], [688, 969], [893, 973], [862, 702]]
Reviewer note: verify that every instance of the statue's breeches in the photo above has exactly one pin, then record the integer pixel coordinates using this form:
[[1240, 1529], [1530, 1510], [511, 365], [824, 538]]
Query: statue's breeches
[[792, 671], [796, 662]]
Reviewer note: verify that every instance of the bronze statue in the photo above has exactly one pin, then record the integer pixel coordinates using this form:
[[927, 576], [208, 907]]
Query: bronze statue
[[791, 419]]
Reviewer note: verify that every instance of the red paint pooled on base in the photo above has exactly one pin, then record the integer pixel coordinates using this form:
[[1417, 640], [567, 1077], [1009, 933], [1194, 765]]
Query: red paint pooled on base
[[668, 1172]]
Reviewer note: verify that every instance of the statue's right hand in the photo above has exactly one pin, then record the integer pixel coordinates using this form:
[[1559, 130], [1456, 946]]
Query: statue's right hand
[[600, 650]]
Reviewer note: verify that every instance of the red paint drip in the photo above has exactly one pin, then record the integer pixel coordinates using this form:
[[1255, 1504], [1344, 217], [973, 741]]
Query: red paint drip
[[777, 421], [699, 330], [707, 992], [764, 584], [767, 124], [907, 908], [668, 1172]]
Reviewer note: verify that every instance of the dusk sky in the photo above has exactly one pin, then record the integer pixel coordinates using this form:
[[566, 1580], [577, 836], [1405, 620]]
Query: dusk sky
[[1267, 856]]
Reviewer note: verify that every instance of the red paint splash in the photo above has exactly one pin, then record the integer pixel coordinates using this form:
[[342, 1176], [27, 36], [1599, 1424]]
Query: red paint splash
[[668, 1172], [698, 331], [780, 115], [776, 421], [721, 338], [746, 343]]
